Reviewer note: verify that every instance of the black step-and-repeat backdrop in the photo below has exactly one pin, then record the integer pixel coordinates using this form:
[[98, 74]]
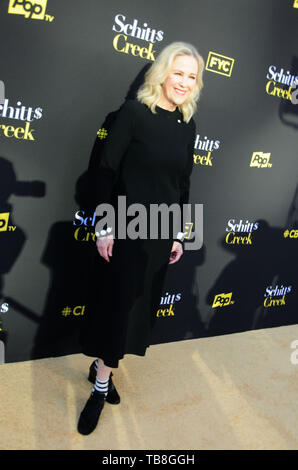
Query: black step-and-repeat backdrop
[[66, 67]]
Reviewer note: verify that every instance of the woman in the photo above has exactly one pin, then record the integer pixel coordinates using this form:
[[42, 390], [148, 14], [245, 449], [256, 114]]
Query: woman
[[148, 158]]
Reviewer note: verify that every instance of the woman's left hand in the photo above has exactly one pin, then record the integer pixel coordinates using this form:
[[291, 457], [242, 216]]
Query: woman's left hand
[[176, 252]]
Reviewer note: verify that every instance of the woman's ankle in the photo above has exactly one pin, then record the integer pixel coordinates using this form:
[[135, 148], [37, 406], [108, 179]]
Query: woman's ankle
[[103, 372]]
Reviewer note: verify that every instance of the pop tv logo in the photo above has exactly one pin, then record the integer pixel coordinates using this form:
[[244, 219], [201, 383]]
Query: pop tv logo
[[222, 300], [4, 216], [260, 160], [219, 63], [34, 9], [138, 30]]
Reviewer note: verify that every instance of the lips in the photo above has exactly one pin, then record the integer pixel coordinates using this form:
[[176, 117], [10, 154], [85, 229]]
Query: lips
[[179, 92]]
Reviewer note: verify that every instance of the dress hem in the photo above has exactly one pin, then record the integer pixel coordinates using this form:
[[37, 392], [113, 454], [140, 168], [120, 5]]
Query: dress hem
[[111, 363]]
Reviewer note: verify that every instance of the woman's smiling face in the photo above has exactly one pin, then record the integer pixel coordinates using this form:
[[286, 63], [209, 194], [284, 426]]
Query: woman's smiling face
[[180, 82]]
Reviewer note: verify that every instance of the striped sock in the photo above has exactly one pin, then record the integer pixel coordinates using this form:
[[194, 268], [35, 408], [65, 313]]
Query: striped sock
[[101, 386]]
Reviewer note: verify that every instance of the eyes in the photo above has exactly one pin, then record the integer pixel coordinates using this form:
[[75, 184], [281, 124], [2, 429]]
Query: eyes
[[192, 77]]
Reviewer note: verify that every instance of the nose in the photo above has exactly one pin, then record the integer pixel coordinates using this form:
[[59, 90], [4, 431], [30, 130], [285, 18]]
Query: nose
[[183, 81]]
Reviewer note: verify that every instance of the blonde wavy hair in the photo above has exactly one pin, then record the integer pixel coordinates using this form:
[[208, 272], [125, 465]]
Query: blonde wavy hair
[[151, 90]]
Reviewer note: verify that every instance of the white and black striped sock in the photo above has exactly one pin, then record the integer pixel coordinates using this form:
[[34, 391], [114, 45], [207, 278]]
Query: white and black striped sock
[[101, 386]]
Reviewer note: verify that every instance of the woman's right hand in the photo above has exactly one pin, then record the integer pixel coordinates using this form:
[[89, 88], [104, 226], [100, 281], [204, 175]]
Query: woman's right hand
[[105, 246]]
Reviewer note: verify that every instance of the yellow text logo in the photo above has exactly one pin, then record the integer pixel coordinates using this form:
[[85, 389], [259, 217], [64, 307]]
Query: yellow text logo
[[221, 300], [165, 312], [270, 302], [82, 234], [24, 133], [120, 44], [4, 221], [219, 64], [76, 311], [233, 239], [4, 216], [33, 9], [295, 4], [188, 228], [260, 160], [205, 160], [291, 233], [274, 90]]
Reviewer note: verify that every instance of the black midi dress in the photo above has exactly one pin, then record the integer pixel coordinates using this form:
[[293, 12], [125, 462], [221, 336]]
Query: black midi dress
[[148, 158]]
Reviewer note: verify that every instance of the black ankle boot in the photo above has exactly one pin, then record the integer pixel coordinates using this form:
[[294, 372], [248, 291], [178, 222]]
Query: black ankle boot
[[91, 412], [112, 397]]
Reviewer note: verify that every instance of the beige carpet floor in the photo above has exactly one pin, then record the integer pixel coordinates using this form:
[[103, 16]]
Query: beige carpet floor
[[234, 391]]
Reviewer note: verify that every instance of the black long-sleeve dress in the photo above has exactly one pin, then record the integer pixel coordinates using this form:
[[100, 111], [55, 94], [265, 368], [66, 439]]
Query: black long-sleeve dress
[[148, 158]]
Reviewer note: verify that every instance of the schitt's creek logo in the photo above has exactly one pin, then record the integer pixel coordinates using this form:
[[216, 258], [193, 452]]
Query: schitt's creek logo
[[240, 232], [129, 31], [276, 296], [20, 112]]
